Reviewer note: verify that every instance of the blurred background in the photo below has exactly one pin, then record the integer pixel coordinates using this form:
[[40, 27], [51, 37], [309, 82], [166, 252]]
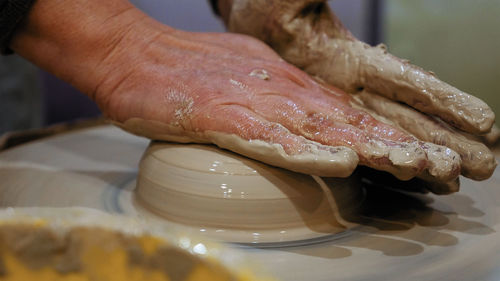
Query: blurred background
[[460, 42]]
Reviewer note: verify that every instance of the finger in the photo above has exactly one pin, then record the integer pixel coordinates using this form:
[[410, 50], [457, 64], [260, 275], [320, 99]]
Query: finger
[[386, 180], [478, 162], [444, 164], [439, 187], [345, 109], [239, 129], [490, 139], [338, 124], [309, 36], [398, 80], [421, 184]]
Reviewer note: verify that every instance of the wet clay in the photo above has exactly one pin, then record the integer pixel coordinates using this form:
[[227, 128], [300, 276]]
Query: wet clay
[[315, 159], [404, 160], [478, 162]]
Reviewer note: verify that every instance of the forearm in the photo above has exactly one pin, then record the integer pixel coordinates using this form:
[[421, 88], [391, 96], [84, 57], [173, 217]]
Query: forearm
[[80, 41]]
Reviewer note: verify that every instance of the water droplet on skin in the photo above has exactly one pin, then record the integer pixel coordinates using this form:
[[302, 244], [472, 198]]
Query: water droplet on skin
[[260, 73]]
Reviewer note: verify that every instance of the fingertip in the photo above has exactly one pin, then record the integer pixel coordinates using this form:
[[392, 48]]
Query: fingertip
[[438, 187], [444, 188], [321, 160], [482, 167], [337, 161], [486, 118], [444, 163], [407, 161], [309, 157]]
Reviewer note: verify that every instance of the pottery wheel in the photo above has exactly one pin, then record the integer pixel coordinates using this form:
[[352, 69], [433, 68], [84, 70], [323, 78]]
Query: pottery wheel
[[335, 230]]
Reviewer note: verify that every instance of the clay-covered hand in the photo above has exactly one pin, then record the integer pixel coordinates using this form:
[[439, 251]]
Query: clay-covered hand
[[234, 91], [307, 34], [227, 89]]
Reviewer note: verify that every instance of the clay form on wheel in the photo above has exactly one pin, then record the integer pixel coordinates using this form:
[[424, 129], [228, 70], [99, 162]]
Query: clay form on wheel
[[240, 199]]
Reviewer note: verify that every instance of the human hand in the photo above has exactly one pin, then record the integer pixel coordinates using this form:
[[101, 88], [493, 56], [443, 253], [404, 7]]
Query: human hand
[[234, 91], [307, 34], [231, 90]]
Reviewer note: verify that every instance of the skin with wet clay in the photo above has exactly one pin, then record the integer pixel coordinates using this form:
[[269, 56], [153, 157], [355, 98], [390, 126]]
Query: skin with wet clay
[[227, 89], [307, 34]]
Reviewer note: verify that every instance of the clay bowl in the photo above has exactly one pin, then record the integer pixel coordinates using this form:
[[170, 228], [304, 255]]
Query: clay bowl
[[237, 199]]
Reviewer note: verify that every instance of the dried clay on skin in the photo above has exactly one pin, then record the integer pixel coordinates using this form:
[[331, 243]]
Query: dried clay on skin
[[316, 158]]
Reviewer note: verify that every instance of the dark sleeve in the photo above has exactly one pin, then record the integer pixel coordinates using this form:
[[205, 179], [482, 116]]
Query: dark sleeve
[[215, 8], [12, 13]]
